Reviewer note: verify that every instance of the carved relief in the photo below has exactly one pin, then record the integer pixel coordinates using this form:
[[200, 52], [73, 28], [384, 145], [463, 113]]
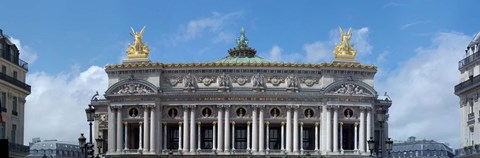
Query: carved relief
[[258, 82], [350, 89], [223, 82], [133, 88], [292, 82], [275, 80], [173, 81], [241, 80], [206, 80], [310, 81], [102, 120]]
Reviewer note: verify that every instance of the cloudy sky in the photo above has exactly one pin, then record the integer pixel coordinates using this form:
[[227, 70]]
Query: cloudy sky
[[415, 44]]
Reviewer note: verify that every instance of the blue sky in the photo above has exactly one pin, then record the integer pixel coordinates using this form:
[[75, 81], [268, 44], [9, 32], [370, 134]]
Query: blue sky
[[66, 41]]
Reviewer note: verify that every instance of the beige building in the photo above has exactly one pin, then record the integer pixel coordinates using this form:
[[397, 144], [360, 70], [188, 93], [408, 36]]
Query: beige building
[[241, 104], [13, 91]]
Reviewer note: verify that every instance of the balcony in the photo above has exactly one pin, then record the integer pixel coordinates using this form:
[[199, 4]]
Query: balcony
[[465, 85], [15, 82], [467, 60]]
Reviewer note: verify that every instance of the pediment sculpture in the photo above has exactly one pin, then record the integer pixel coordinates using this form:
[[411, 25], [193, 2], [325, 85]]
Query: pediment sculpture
[[350, 89], [133, 88]]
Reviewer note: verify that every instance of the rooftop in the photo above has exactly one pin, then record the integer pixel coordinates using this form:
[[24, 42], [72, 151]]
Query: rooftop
[[420, 145]]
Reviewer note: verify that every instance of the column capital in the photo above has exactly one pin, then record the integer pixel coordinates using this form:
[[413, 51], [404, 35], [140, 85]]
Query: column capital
[[219, 106], [125, 123], [141, 122], [227, 105], [199, 123], [164, 123], [249, 122], [356, 124], [214, 123], [267, 123], [233, 122], [317, 123], [301, 124], [341, 123], [180, 123], [283, 123]]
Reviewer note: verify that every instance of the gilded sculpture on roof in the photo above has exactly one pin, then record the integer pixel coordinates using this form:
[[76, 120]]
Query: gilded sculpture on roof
[[345, 50], [138, 49]]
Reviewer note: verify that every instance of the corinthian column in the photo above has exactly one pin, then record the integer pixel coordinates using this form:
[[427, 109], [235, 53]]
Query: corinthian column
[[316, 136], [119, 130], [111, 131], [180, 136], [186, 139], [126, 135], [227, 130], [153, 127], [362, 132], [282, 136], [295, 130], [192, 129], [355, 137], [146, 129], [248, 135], [220, 129], [261, 132], [335, 129], [329, 130], [254, 130], [369, 124], [289, 130]]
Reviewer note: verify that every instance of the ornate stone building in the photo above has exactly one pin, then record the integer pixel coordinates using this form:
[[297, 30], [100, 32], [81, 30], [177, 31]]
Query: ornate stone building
[[241, 104]]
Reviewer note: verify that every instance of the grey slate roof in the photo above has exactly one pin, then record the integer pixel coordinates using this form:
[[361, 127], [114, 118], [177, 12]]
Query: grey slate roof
[[420, 145]]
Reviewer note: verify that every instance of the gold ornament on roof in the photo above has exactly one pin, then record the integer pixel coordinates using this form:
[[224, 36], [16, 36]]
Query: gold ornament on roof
[[345, 50], [138, 49]]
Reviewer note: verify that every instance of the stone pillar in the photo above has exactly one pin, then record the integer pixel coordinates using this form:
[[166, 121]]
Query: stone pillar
[[369, 125], [355, 137], [268, 135], [146, 130], [329, 130], [341, 136], [126, 136], [335, 129], [119, 130], [323, 130], [199, 125], [192, 130], [301, 137], [153, 133], [164, 136], [248, 135], [227, 130], [186, 139], [214, 138], [316, 136], [180, 142], [220, 129], [282, 136], [295, 130], [361, 140], [111, 131], [289, 131], [140, 135], [160, 132], [261, 132], [233, 136], [254, 130]]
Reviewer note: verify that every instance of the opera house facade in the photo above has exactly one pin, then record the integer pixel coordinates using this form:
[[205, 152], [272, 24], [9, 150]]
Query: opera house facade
[[241, 105]]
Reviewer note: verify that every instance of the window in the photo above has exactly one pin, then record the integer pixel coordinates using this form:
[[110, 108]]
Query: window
[[2, 130], [241, 112], [471, 105], [172, 112], [240, 137], [14, 132], [275, 112], [4, 102], [133, 112], [15, 74], [4, 69], [14, 106], [207, 137], [206, 112], [308, 113], [348, 113]]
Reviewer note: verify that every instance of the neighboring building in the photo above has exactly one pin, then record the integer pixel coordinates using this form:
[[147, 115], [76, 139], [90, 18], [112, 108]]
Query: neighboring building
[[421, 148], [13, 91], [241, 104], [54, 148], [468, 90]]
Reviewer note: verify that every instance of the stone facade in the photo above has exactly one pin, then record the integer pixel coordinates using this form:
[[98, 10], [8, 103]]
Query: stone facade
[[248, 107]]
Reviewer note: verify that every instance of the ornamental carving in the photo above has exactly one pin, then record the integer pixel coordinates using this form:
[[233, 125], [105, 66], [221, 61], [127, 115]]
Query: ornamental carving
[[350, 89], [206, 80], [292, 82], [173, 81], [309, 81], [223, 80], [102, 120], [275, 80], [241, 80], [258, 80], [189, 81], [133, 88]]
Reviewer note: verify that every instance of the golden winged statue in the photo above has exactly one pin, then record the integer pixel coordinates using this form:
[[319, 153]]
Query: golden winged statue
[[344, 50], [138, 49]]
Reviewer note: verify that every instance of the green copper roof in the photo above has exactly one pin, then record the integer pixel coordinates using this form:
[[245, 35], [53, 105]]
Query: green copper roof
[[236, 59]]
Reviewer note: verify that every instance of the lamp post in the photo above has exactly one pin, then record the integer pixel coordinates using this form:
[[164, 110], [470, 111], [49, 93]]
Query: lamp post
[[90, 112], [372, 147]]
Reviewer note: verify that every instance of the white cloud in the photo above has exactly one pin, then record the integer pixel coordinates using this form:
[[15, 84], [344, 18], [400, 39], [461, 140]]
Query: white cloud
[[213, 24], [55, 109], [26, 53], [318, 51], [276, 54], [360, 41], [391, 5], [422, 91], [413, 24]]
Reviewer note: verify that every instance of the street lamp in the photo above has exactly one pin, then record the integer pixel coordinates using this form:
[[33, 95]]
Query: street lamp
[[99, 141], [82, 142], [90, 111], [388, 145], [371, 146]]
